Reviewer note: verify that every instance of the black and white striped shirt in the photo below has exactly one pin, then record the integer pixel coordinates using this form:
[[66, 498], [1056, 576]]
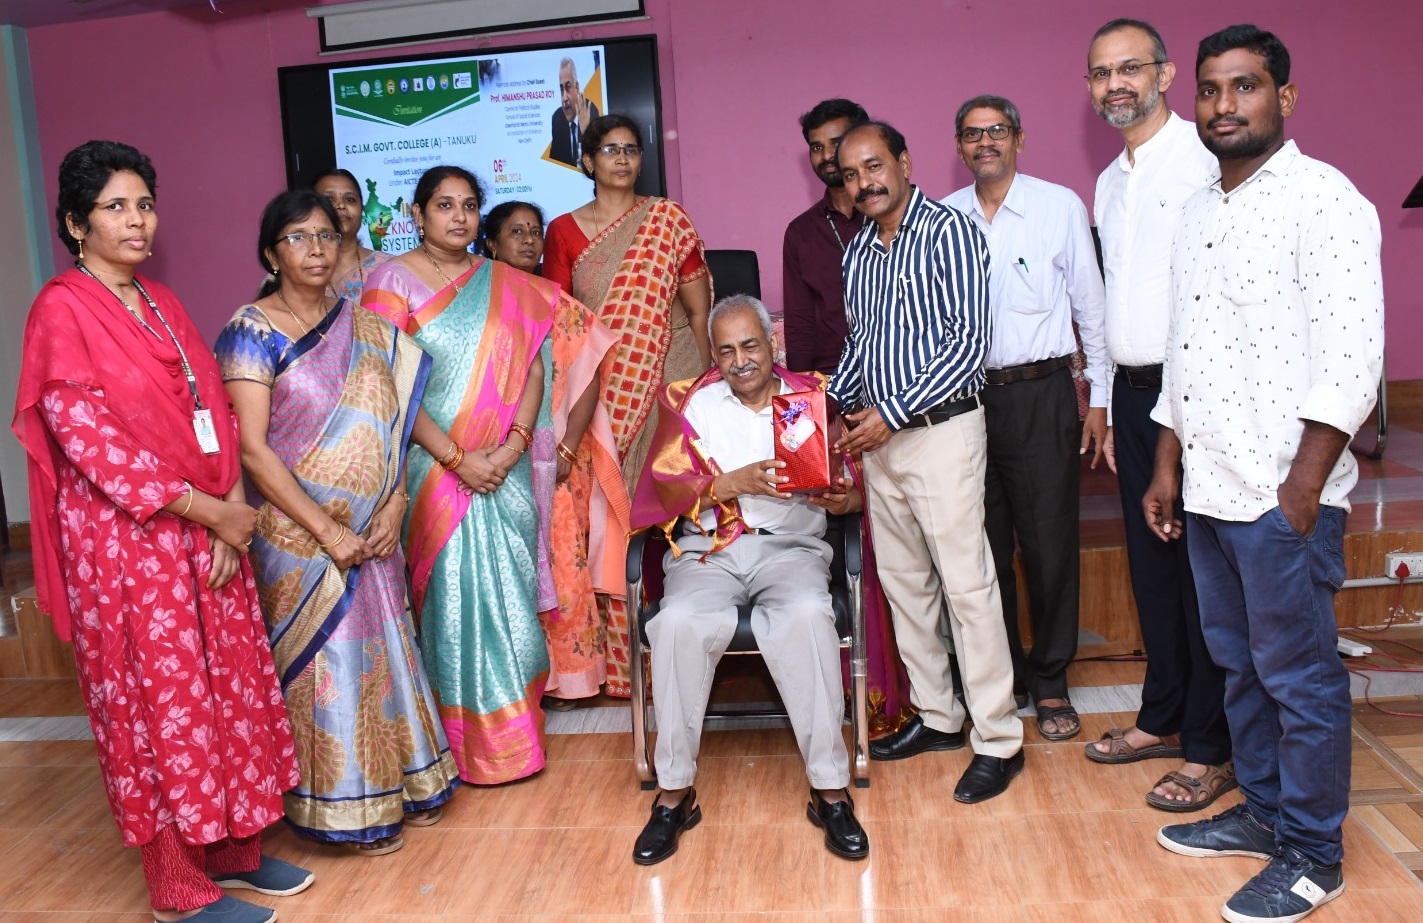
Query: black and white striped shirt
[[918, 313]]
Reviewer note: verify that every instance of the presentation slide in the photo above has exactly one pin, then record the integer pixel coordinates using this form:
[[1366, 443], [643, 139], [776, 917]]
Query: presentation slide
[[511, 118]]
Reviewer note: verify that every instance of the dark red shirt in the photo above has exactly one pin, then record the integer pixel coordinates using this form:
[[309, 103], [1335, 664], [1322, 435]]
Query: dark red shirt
[[814, 286]]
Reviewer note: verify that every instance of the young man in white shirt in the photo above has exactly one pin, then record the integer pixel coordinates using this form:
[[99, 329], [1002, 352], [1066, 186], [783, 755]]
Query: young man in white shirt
[[1045, 277], [1273, 361], [1139, 198]]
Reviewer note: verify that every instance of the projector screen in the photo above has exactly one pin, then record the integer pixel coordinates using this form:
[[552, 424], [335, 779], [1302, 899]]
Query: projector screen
[[500, 114]]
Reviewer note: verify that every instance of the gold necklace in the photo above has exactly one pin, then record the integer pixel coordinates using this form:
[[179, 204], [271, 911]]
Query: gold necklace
[[305, 330], [448, 281]]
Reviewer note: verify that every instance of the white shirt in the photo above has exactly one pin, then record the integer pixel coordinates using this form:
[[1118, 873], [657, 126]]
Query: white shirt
[[1043, 277], [1137, 208], [735, 436], [1277, 318]]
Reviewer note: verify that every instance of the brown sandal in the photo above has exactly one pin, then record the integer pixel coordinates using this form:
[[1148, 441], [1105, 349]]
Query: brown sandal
[[1204, 791], [1060, 714], [1122, 752], [423, 818], [381, 847]]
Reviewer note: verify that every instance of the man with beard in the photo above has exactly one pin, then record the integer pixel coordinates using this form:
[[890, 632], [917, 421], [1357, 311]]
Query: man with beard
[[713, 482], [916, 293], [1139, 199], [574, 113], [1045, 277], [1273, 362], [813, 293]]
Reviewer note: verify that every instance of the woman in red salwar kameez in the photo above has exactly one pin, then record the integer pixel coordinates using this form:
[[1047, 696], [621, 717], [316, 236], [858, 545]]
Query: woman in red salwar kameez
[[139, 530]]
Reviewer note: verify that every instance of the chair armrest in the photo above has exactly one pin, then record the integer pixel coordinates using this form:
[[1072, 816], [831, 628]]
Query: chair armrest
[[854, 558], [636, 542]]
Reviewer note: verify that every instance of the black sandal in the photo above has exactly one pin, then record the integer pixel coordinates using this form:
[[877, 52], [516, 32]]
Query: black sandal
[[1048, 713]]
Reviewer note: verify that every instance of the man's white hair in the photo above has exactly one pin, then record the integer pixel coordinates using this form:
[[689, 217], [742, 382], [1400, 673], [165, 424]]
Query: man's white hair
[[741, 302]]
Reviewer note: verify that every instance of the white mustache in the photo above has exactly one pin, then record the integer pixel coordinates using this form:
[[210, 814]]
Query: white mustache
[[743, 369]]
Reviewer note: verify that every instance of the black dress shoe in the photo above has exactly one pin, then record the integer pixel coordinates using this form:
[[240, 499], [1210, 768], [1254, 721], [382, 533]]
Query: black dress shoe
[[987, 776], [843, 834], [658, 839], [913, 739]]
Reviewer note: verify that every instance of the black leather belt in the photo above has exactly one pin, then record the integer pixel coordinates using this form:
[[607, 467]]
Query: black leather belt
[[1141, 376], [945, 411], [1029, 371]]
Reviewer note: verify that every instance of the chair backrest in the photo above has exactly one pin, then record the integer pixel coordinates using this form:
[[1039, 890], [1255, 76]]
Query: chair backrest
[[734, 272]]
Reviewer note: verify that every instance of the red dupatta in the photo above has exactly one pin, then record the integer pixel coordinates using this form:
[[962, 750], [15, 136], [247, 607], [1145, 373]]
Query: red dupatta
[[78, 331]]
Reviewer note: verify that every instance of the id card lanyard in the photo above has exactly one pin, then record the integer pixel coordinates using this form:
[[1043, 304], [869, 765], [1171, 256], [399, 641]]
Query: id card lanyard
[[202, 417]]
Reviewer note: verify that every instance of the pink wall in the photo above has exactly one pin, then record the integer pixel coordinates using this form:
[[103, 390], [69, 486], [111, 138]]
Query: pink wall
[[198, 94], [200, 98]]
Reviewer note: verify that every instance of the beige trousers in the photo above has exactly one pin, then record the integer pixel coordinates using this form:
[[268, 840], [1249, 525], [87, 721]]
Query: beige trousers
[[786, 580], [925, 489]]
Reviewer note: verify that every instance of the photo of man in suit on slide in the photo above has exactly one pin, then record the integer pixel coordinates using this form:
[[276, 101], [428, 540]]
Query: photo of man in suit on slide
[[571, 118]]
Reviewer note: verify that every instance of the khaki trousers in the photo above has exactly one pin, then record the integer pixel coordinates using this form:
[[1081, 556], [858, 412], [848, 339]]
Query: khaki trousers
[[925, 489], [786, 579]]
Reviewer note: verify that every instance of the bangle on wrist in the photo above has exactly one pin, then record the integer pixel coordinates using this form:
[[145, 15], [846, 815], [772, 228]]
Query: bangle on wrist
[[526, 431], [401, 494], [189, 505], [567, 454], [517, 452], [336, 541], [444, 460], [454, 460]]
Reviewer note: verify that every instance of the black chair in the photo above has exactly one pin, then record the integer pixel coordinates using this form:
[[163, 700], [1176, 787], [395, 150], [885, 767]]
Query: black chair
[[734, 272], [644, 575]]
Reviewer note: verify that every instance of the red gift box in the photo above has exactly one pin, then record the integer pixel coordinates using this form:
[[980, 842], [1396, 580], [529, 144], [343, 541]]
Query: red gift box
[[805, 436]]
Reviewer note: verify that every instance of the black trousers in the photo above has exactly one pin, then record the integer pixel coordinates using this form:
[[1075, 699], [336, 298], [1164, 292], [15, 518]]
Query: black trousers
[[1184, 691], [1031, 493]]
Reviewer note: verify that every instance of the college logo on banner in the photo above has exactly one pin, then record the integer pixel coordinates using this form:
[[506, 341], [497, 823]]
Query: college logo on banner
[[436, 98]]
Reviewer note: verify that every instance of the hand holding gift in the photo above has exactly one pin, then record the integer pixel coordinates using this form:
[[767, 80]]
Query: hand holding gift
[[843, 497], [762, 478]]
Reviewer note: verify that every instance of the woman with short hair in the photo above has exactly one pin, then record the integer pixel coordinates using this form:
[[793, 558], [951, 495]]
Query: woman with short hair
[[326, 392], [140, 532]]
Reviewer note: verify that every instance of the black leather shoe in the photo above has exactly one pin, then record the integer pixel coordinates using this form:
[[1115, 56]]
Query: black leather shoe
[[987, 776], [913, 739], [658, 839], [843, 834]]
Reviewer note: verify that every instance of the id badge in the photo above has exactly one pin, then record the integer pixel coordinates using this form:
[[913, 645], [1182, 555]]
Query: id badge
[[207, 436]]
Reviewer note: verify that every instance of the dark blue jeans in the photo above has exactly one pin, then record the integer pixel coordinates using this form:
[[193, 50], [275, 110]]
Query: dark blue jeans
[[1267, 611]]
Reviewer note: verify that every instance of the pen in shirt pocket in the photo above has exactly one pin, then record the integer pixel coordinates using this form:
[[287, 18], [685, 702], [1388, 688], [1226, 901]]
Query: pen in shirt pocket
[[1023, 263]]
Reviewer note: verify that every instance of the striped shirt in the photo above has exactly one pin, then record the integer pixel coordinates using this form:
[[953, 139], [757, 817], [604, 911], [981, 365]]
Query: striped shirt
[[918, 312]]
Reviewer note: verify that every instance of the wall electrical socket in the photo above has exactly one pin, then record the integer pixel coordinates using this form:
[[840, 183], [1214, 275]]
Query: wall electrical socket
[[1414, 560]]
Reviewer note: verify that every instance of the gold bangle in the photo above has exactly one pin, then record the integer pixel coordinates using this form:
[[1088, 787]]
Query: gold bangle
[[453, 463], [567, 454], [444, 460], [339, 535], [525, 431], [189, 505], [401, 494], [517, 452]]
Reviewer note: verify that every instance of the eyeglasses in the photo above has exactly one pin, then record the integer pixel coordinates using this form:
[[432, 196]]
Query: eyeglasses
[[996, 132], [1103, 74], [301, 240], [627, 150]]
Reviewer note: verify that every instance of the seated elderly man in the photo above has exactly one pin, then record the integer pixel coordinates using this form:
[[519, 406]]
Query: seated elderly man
[[712, 482]]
